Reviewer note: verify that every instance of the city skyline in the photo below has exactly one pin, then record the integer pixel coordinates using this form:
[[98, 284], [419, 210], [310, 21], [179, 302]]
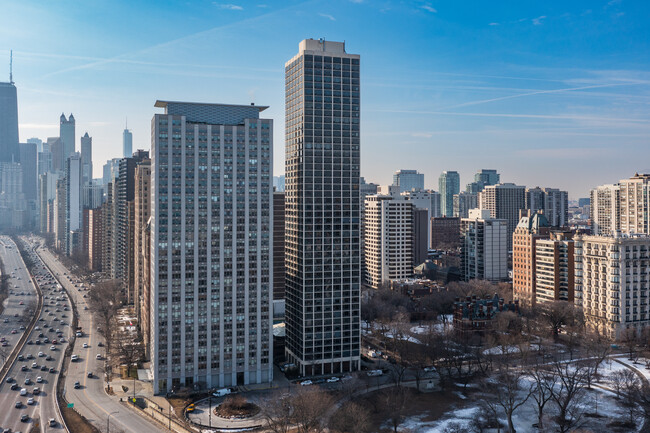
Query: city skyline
[[543, 97]]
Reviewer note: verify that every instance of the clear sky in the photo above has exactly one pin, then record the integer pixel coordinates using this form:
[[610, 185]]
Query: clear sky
[[552, 93]]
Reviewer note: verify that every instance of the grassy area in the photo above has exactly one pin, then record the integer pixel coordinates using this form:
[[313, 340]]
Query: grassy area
[[77, 423]]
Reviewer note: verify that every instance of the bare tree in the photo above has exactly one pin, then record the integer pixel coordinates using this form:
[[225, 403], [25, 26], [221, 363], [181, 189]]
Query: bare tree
[[276, 411], [309, 410], [395, 401], [105, 300], [129, 351], [568, 395], [557, 315], [351, 417], [544, 382]]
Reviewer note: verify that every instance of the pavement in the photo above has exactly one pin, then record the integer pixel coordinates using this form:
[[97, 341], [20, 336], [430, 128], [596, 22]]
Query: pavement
[[90, 399], [44, 407]]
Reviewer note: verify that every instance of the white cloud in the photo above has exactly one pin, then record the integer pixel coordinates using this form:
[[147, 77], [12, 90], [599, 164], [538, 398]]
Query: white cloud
[[228, 6], [421, 134], [429, 8], [328, 16], [494, 24], [538, 21]]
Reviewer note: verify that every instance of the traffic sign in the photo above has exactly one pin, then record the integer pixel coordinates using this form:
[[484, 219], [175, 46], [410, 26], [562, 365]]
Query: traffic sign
[[70, 405]]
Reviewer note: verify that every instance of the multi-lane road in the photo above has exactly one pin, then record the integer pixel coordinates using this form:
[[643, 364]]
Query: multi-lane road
[[33, 373], [89, 398]]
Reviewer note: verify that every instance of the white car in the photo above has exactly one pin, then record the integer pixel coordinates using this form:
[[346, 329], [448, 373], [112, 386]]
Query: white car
[[333, 379], [85, 345], [30, 401], [39, 379], [23, 392], [99, 356], [306, 382]]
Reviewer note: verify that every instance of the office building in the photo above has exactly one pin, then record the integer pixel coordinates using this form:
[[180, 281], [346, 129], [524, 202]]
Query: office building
[[408, 180], [635, 204], [95, 239], [448, 186], [278, 246], [9, 149], [445, 233], [322, 208], [533, 226], [127, 144], [389, 239], [484, 247], [56, 149], [110, 170], [612, 283], [554, 268], [463, 202], [504, 201], [67, 135], [92, 195], [12, 199], [482, 179], [553, 202], [86, 159], [211, 246], [605, 210]]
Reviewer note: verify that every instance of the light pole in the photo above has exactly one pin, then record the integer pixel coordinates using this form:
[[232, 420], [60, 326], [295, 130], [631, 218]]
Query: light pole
[[210, 411], [108, 420], [170, 417]]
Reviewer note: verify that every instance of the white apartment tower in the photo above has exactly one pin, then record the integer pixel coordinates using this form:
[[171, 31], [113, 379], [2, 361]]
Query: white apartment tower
[[389, 239], [605, 210], [211, 246], [613, 282], [484, 247], [635, 204]]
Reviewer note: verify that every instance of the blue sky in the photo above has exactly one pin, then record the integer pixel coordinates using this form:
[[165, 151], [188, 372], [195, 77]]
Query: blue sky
[[549, 93]]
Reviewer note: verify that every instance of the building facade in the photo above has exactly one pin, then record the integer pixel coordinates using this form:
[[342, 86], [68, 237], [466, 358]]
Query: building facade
[[605, 210], [533, 226], [555, 268], [278, 246], [484, 247], [613, 283], [322, 208], [445, 233], [463, 202], [504, 201], [408, 180], [635, 204], [553, 202], [86, 159], [211, 246], [448, 186]]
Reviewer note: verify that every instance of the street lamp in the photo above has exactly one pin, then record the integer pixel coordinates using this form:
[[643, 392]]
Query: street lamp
[[108, 420]]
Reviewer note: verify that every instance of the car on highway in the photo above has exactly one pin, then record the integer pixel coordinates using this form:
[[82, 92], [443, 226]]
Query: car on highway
[[39, 379], [43, 367], [77, 385], [333, 379], [23, 368], [30, 401], [52, 422], [36, 391], [52, 370], [85, 345], [24, 417], [90, 374], [306, 382], [74, 358], [10, 379], [34, 365], [14, 386], [18, 404], [23, 391], [98, 356]]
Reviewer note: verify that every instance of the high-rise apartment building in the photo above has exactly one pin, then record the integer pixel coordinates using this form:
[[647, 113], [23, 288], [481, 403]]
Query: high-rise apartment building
[[635, 204], [47, 194], [555, 268], [127, 144], [278, 246], [463, 202], [86, 159], [389, 239], [605, 210], [142, 213], [211, 246], [67, 135], [408, 180], [613, 282], [425, 199], [322, 208], [448, 186], [73, 214], [533, 226], [553, 202], [484, 247], [95, 239], [504, 201]]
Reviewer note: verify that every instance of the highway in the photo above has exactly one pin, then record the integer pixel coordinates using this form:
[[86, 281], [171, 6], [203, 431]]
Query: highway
[[39, 348], [90, 398]]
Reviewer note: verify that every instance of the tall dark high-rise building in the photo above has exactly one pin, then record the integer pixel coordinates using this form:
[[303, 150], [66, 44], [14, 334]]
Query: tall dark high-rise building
[[67, 135], [322, 208], [9, 150], [86, 159]]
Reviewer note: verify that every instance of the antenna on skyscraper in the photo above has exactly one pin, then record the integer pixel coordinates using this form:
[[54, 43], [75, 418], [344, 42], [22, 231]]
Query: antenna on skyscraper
[[126, 124], [11, 66]]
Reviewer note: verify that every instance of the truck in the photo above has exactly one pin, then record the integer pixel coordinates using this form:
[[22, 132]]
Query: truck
[[222, 392]]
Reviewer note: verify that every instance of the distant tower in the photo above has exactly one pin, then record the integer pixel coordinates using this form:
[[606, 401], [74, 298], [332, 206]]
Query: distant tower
[[67, 134], [86, 159], [9, 150], [127, 143]]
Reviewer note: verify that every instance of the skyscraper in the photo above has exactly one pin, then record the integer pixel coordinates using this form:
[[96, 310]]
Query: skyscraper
[[9, 150], [504, 201], [127, 144], [67, 135], [532, 227], [552, 201], [482, 179], [484, 247], [408, 180], [86, 159], [635, 204], [211, 246], [448, 185], [605, 212], [322, 208], [73, 222]]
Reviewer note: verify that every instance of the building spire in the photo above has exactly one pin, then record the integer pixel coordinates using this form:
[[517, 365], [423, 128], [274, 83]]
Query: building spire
[[11, 66]]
